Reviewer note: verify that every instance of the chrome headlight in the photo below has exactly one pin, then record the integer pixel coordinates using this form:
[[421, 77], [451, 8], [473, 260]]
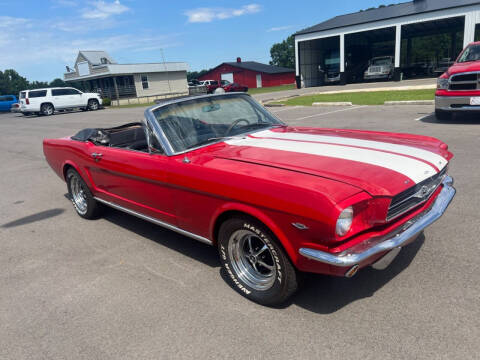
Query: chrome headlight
[[442, 84], [344, 221]]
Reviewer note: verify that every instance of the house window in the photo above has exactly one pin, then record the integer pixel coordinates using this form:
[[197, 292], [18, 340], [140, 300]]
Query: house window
[[104, 60], [144, 81]]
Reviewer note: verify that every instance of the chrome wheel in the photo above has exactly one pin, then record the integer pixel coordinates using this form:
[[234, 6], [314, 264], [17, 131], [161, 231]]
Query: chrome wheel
[[48, 109], [79, 198], [93, 105], [252, 260]]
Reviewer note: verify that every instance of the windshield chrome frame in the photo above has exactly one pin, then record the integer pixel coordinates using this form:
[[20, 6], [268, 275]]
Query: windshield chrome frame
[[162, 138]]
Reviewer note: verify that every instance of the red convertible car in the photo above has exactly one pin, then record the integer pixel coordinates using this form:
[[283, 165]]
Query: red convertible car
[[275, 200]]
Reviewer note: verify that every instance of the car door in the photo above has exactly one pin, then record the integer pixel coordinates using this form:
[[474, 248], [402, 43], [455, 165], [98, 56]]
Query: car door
[[132, 179], [75, 97], [3, 103], [60, 98]]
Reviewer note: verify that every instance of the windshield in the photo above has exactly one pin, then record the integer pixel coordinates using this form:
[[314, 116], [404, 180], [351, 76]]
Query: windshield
[[381, 61], [471, 53], [192, 123]]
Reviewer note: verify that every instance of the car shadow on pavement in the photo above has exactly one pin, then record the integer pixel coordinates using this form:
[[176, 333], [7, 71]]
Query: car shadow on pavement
[[182, 244], [458, 119], [42, 215], [326, 294]]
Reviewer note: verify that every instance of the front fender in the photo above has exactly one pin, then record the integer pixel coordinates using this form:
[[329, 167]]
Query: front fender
[[260, 216]]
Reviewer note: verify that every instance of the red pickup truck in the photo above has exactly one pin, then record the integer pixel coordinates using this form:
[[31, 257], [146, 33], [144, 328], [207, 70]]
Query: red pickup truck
[[458, 89]]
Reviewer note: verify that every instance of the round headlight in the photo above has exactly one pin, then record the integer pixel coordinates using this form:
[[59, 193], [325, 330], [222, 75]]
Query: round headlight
[[344, 222]]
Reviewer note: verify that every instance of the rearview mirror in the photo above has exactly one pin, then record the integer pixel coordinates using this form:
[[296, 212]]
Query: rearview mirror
[[211, 107]]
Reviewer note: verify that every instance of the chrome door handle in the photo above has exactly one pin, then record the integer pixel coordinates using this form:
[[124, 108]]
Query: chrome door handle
[[97, 156]]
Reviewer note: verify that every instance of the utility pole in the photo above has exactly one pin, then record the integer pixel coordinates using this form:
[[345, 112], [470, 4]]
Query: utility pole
[[166, 70]]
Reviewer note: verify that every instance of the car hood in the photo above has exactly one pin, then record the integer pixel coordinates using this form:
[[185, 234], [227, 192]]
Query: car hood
[[464, 67], [383, 164]]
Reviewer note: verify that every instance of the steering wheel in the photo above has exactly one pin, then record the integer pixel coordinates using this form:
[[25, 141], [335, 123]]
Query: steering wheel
[[235, 123]]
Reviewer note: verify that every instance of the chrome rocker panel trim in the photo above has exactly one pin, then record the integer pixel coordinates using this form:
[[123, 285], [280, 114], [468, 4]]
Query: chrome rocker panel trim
[[155, 221], [393, 240]]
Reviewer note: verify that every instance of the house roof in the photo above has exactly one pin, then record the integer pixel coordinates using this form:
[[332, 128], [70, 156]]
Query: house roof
[[127, 69], [94, 57], [259, 67], [387, 12]]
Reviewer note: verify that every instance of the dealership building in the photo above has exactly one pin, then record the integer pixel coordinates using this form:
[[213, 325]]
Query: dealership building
[[419, 38], [127, 83]]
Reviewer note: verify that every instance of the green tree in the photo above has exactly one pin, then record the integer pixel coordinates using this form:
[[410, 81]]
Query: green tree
[[283, 54], [11, 82], [58, 83], [192, 75]]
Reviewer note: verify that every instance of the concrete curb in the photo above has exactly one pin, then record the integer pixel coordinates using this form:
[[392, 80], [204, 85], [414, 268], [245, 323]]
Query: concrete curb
[[411, 102], [338, 103], [273, 105]]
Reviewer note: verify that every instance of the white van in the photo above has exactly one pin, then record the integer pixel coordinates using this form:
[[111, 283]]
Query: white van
[[47, 101]]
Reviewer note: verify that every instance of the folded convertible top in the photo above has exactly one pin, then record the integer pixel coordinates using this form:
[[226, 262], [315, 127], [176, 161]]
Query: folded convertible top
[[100, 135]]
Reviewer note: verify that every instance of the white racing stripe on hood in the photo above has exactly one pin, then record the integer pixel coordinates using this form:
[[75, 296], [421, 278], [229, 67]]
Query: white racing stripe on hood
[[414, 169], [425, 155]]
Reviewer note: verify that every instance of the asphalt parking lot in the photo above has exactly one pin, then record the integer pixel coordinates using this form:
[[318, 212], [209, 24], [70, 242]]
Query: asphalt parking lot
[[122, 288]]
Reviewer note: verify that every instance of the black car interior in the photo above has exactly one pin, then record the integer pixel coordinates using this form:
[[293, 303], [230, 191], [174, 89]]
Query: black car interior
[[129, 136]]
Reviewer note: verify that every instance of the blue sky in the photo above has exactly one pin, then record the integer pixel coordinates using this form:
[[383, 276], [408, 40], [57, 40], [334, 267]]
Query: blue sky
[[39, 37]]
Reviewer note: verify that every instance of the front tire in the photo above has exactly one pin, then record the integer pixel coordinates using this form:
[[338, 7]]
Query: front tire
[[82, 199], [443, 115], [256, 265], [47, 109], [93, 104]]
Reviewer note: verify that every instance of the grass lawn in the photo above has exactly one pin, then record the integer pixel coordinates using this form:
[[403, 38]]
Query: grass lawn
[[364, 98], [271, 89]]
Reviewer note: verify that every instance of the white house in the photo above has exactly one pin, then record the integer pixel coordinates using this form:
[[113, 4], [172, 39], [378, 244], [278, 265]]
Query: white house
[[128, 83]]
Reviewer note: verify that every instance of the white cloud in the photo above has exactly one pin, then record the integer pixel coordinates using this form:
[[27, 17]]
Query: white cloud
[[9, 22], [103, 10], [280, 28], [52, 50], [205, 15]]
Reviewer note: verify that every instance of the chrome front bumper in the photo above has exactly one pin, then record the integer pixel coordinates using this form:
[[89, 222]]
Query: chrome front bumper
[[462, 103], [397, 238]]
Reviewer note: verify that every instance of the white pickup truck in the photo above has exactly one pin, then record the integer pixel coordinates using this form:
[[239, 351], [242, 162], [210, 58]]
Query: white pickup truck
[[380, 68], [47, 101]]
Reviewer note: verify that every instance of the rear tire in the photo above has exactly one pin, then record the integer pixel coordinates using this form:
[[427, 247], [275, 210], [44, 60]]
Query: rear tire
[[255, 264], [93, 104], [443, 115], [81, 196], [47, 109]]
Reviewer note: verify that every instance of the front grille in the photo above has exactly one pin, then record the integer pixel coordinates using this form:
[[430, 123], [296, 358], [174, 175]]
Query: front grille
[[414, 196], [465, 82]]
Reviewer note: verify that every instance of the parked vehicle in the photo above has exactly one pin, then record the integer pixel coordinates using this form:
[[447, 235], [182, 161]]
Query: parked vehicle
[[420, 68], [15, 108], [235, 87], [332, 67], [196, 87], [380, 68], [458, 89], [275, 200], [443, 66], [211, 85], [47, 101], [6, 102]]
